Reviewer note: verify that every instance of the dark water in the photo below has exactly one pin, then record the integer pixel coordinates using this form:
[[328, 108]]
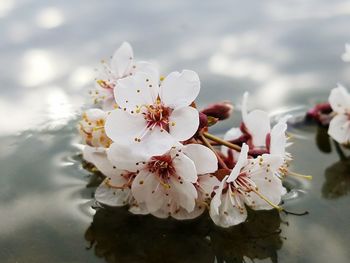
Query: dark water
[[48, 214], [286, 53]]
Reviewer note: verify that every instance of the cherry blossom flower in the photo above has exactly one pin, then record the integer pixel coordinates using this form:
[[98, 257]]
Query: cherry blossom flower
[[256, 131], [252, 182], [122, 65], [339, 127], [91, 128], [346, 54], [170, 184], [154, 115]]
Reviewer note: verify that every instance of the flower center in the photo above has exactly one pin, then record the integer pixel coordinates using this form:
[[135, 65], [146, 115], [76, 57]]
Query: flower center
[[163, 168], [157, 115]]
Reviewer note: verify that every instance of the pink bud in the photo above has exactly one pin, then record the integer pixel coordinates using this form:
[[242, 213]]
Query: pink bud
[[220, 110]]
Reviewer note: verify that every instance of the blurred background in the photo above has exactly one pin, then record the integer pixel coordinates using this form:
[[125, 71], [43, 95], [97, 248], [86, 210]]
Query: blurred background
[[285, 53]]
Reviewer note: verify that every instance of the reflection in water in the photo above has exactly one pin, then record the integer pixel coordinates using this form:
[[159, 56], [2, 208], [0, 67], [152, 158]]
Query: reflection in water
[[119, 236], [337, 182]]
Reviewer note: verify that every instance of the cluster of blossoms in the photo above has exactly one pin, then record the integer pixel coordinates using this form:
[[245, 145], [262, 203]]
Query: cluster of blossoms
[[335, 114], [153, 146]]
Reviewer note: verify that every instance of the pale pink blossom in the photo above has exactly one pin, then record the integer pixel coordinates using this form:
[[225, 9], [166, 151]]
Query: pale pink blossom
[[252, 182], [339, 127], [152, 115]]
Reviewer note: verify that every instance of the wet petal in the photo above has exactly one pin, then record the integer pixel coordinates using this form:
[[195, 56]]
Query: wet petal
[[180, 89], [184, 123], [135, 91], [122, 60], [339, 128], [204, 159]]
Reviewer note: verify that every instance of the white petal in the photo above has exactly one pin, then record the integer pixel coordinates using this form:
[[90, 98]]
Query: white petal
[[122, 59], [339, 128], [339, 99], [216, 201], [278, 139], [111, 196], [242, 160], [151, 71], [138, 209], [125, 154], [229, 213], [126, 157], [204, 159], [122, 126], [186, 122], [135, 91], [244, 107], [262, 173], [207, 183], [98, 157], [258, 124], [185, 168], [182, 214], [180, 89], [146, 189], [184, 193]]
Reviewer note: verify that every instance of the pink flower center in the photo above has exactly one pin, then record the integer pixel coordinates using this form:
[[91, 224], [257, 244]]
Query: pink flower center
[[157, 115], [162, 166]]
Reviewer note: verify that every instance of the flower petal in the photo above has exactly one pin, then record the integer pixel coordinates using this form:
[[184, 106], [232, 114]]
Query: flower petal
[[339, 99], [224, 209], [135, 91], [257, 122], [207, 184], [122, 59], [98, 157], [146, 189], [262, 172], [126, 157], [185, 194], [122, 126], [242, 160], [204, 159], [258, 125], [339, 128], [185, 168], [184, 123], [111, 196], [180, 89], [278, 139], [152, 71]]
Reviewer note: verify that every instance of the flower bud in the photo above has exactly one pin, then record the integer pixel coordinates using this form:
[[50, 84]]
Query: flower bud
[[221, 110]]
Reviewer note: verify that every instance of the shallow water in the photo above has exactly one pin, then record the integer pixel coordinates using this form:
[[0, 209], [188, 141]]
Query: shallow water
[[48, 213], [286, 53]]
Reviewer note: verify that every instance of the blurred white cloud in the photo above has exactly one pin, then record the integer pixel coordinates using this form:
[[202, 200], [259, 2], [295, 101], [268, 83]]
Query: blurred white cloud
[[50, 17]]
